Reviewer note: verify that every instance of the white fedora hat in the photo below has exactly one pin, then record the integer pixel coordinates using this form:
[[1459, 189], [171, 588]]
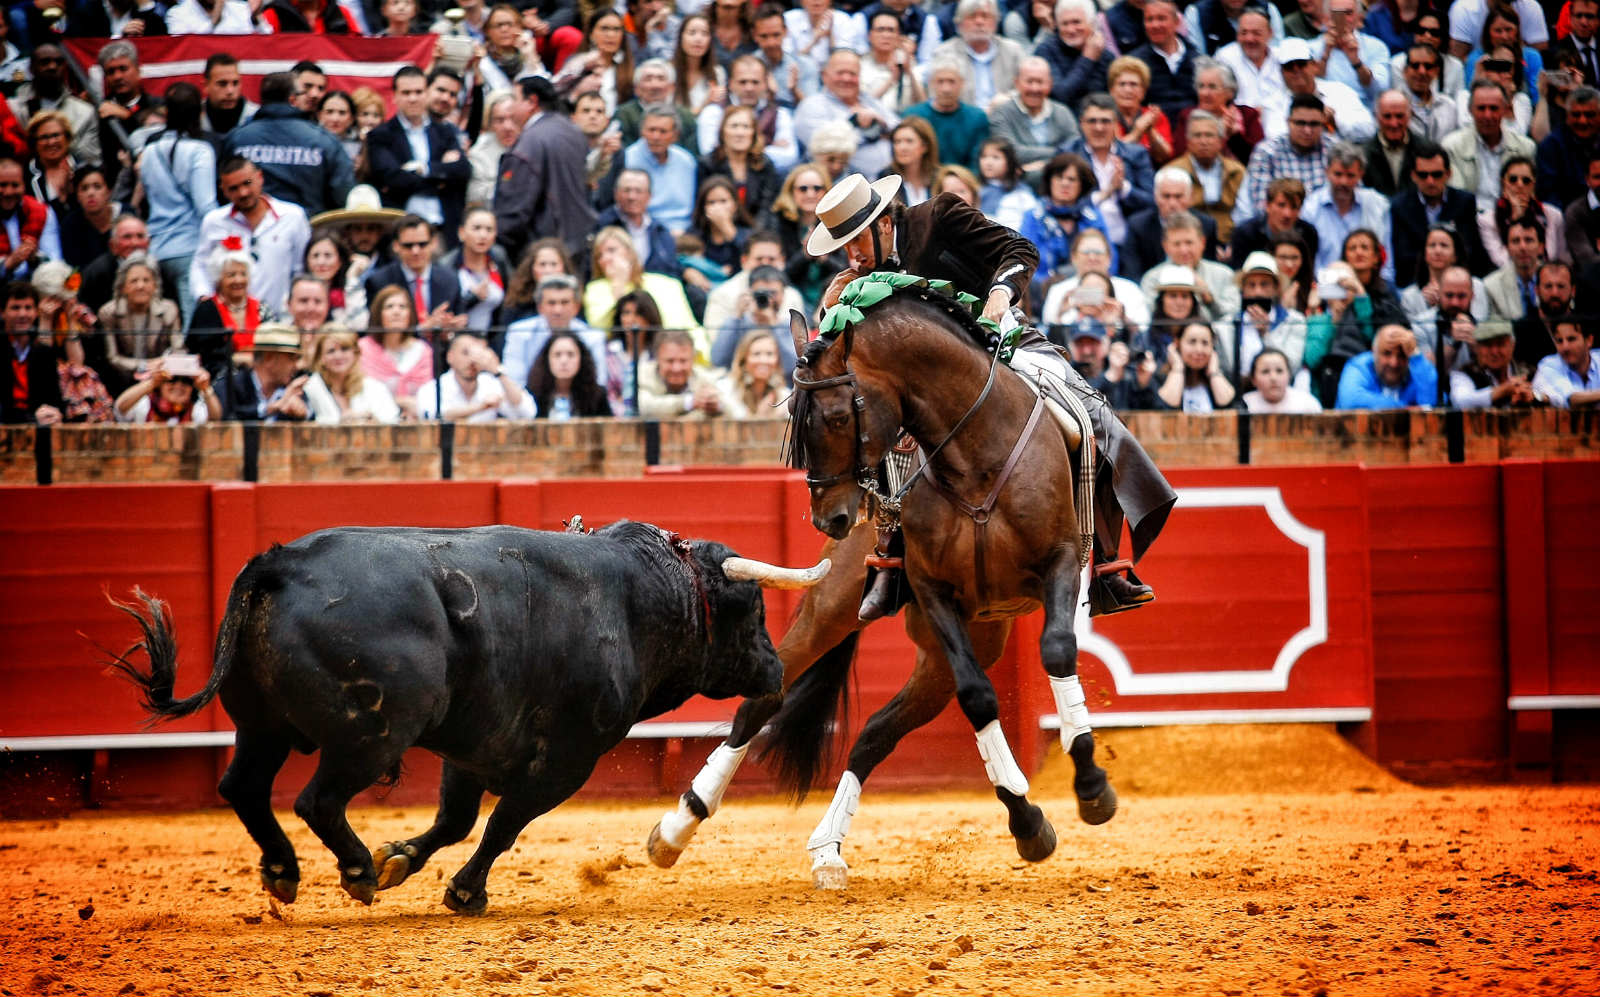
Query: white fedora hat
[[846, 210]]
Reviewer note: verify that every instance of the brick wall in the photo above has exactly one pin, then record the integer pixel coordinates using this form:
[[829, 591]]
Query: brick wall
[[620, 449]]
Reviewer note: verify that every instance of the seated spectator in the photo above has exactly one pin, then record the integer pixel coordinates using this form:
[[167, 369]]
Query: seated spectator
[[1077, 53], [673, 385], [653, 82], [1254, 65], [841, 99], [308, 311], [1518, 204], [1494, 377], [1581, 222], [363, 225], [889, 66], [701, 80], [563, 381], [1034, 123], [1391, 153], [1278, 220], [1299, 276], [225, 323], [301, 164], [1570, 377], [1367, 70], [749, 87], [475, 388], [671, 170], [1343, 206], [1366, 258], [1213, 24], [728, 300], [960, 181], [167, 396], [1194, 381], [833, 147], [338, 392], [1536, 331], [85, 232], [1426, 298], [1343, 322], [1004, 198], [722, 226], [1476, 148], [329, 260], [1183, 241], [1434, 112], [509, 52], [916, 159], [399, 19], [1513, 63], [1170, 58], [84, 398], [603, 64], [987, 62], [1430, 201], [47, 90], [1146, 229], [140, 325], [1564, 76], [1030, 26], [1176, 305], [482, 270], [603, 140], [1124, 182], [1302, 153], [1138, 123], [272, 231], [1264, 323], [1090, 304], [754, 386], [1393, 374], [391, 352], [211, 17], [30, 388], [817, 30], [1512, 288], [618, 270], [546, 257], [525, 339], [1214, 179], [638, 322], [271, 388], [336, 115], [740, 154], [435, 290], [1066, 209], [51, 165], [499, 134], [370, 110], [653, 241], [1091, 253], [761, 307], [1239, 127], [793, 215], [959, 128], [1272, 393]]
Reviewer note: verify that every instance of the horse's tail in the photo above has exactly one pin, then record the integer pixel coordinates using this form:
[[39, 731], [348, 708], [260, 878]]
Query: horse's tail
[[799, 738], [160, 644]]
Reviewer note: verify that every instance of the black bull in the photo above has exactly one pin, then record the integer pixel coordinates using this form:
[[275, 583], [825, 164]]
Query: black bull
[[519, 657]]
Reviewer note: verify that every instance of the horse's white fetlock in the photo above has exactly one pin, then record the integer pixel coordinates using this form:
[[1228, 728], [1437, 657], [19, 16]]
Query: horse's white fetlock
[[828, 869]]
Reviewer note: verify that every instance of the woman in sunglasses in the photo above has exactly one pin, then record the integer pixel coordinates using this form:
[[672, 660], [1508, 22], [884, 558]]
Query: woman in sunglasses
[[1503, 29], [1429, 30], [1501, 66], [1518, 204]]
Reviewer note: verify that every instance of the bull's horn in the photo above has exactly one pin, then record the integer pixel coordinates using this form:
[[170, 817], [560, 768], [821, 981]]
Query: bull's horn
[[771, 576]]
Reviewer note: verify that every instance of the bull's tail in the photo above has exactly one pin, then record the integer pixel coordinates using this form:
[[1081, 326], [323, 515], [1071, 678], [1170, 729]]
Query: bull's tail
[[160, 644], [799, 739]]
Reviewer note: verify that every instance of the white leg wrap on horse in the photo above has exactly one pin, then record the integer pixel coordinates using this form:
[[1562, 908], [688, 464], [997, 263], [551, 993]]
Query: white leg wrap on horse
[[678, 827], [1070, 708], [997, 760], [713, 780], [836, 822]]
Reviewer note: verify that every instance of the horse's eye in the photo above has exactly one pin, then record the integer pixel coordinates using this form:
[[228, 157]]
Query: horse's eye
[[838, 421]]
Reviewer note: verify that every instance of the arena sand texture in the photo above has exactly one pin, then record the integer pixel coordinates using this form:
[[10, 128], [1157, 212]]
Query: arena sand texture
[[1296, 868]]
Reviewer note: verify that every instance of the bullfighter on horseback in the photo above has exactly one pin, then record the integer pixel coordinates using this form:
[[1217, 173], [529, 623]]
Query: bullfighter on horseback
[[944, 238]]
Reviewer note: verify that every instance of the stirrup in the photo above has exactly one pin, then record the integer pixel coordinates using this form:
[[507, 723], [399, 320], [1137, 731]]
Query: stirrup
[[882, 561]]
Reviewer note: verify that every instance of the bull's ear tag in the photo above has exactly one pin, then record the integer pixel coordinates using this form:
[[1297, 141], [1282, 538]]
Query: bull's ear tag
[[799, 331]]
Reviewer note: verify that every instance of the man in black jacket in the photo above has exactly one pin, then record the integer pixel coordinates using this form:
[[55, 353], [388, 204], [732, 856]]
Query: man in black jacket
[[1428, 200], [1391, 152], [30, 389], [417, 162]]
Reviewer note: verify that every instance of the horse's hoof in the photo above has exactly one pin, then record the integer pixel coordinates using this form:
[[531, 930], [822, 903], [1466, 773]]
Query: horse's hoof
[[392, 859], [464, 901], [274, 882], [661, 853], [1039, 847], [360, 888], [829, 872], [1100, 809]]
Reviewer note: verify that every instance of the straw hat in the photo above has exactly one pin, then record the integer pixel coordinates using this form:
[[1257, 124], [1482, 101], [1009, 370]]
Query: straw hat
[[1261, 262], [361, 205], [1174, 277], [275, 337], [845, 211]]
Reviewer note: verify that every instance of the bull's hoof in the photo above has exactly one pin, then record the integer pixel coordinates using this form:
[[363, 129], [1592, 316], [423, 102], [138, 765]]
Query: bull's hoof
[[829, 872], [362, 886], [661, 853], [1100, 809], [393, 860], [1039, 847], [464, 901], [280, 886]]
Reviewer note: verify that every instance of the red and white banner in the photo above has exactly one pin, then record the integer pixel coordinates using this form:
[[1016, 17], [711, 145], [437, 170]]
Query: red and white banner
[[350, 61]]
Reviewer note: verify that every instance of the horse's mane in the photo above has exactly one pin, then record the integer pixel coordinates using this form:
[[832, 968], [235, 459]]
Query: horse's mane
[[968, 330]]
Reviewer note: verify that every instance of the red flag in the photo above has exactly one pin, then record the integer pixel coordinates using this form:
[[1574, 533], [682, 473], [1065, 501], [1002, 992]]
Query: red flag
[[350, 61]]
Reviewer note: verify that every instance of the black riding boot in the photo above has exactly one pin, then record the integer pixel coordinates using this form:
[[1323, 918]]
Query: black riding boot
[[883, 590], [1114, 588]]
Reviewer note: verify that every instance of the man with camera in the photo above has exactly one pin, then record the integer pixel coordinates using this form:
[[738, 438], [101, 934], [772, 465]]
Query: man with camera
[[760, 307]]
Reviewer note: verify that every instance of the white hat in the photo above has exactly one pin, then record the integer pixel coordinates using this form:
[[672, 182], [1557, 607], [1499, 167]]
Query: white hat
[[1174, 277], [1261, 262], [361, 205], [1293, 50], [845, 211]]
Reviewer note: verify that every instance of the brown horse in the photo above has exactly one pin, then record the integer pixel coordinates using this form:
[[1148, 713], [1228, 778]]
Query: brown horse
[[990, 535]]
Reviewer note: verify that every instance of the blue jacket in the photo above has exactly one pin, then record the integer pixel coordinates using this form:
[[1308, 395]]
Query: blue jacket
[[1136, 168], [302, 163], [1072, 77], [1359, 387]]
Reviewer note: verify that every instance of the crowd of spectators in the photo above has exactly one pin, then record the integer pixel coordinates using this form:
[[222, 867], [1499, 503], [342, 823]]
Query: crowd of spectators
[[587, 209]]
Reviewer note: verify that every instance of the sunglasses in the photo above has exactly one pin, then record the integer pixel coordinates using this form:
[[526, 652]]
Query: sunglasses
[[1428, 174], [1497, 65], [415, 245], [1519, 180], [1423, 65], [807, 188]]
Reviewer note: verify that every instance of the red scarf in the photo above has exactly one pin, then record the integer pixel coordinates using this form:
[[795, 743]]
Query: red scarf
[[243, 339], [31, 216]]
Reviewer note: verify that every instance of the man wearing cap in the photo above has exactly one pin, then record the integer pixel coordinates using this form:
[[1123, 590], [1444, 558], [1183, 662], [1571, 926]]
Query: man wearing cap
[[1263, 323], [1344, 110], [271, 389], [945, 239], [1494, 377]]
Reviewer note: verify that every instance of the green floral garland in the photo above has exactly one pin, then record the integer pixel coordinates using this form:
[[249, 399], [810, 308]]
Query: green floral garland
[[873, 288]]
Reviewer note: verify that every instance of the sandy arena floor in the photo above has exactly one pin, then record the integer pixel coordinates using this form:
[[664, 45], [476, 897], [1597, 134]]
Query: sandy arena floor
[[1307, 871]]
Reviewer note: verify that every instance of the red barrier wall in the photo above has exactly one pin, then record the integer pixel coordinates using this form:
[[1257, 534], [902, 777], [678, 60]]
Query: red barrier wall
[[1406, 602]]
